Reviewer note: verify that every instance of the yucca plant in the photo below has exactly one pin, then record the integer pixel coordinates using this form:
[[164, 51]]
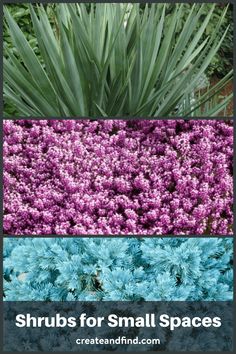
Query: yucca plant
[[114, 60]]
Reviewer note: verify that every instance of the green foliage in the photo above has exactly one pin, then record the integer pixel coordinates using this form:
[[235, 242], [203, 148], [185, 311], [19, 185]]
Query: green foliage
[[113, 60], [222, 63], [223, 60], [21, 14]]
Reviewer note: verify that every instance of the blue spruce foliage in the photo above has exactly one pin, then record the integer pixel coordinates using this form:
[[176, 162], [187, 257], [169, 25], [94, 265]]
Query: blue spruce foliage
[[90, 269]]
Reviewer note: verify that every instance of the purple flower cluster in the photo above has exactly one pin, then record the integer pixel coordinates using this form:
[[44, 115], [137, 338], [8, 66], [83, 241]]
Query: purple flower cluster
[[115, 177]]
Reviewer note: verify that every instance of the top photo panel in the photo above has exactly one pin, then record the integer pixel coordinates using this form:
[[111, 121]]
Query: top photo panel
[[118, 60]]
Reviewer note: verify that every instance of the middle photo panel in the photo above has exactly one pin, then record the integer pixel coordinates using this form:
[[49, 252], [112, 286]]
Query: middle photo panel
[[118, 177]]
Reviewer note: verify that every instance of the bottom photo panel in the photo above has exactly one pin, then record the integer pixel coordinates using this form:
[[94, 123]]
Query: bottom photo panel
[[73, 294]]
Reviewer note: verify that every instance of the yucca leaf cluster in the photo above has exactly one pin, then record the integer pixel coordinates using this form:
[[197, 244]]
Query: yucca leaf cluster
[[114, 60]]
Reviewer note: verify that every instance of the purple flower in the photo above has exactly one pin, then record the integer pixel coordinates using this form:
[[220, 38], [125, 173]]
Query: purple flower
[[81, 177]]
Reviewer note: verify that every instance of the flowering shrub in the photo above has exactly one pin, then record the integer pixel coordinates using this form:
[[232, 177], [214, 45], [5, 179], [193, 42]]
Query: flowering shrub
[[116, 177], [155, 269]]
